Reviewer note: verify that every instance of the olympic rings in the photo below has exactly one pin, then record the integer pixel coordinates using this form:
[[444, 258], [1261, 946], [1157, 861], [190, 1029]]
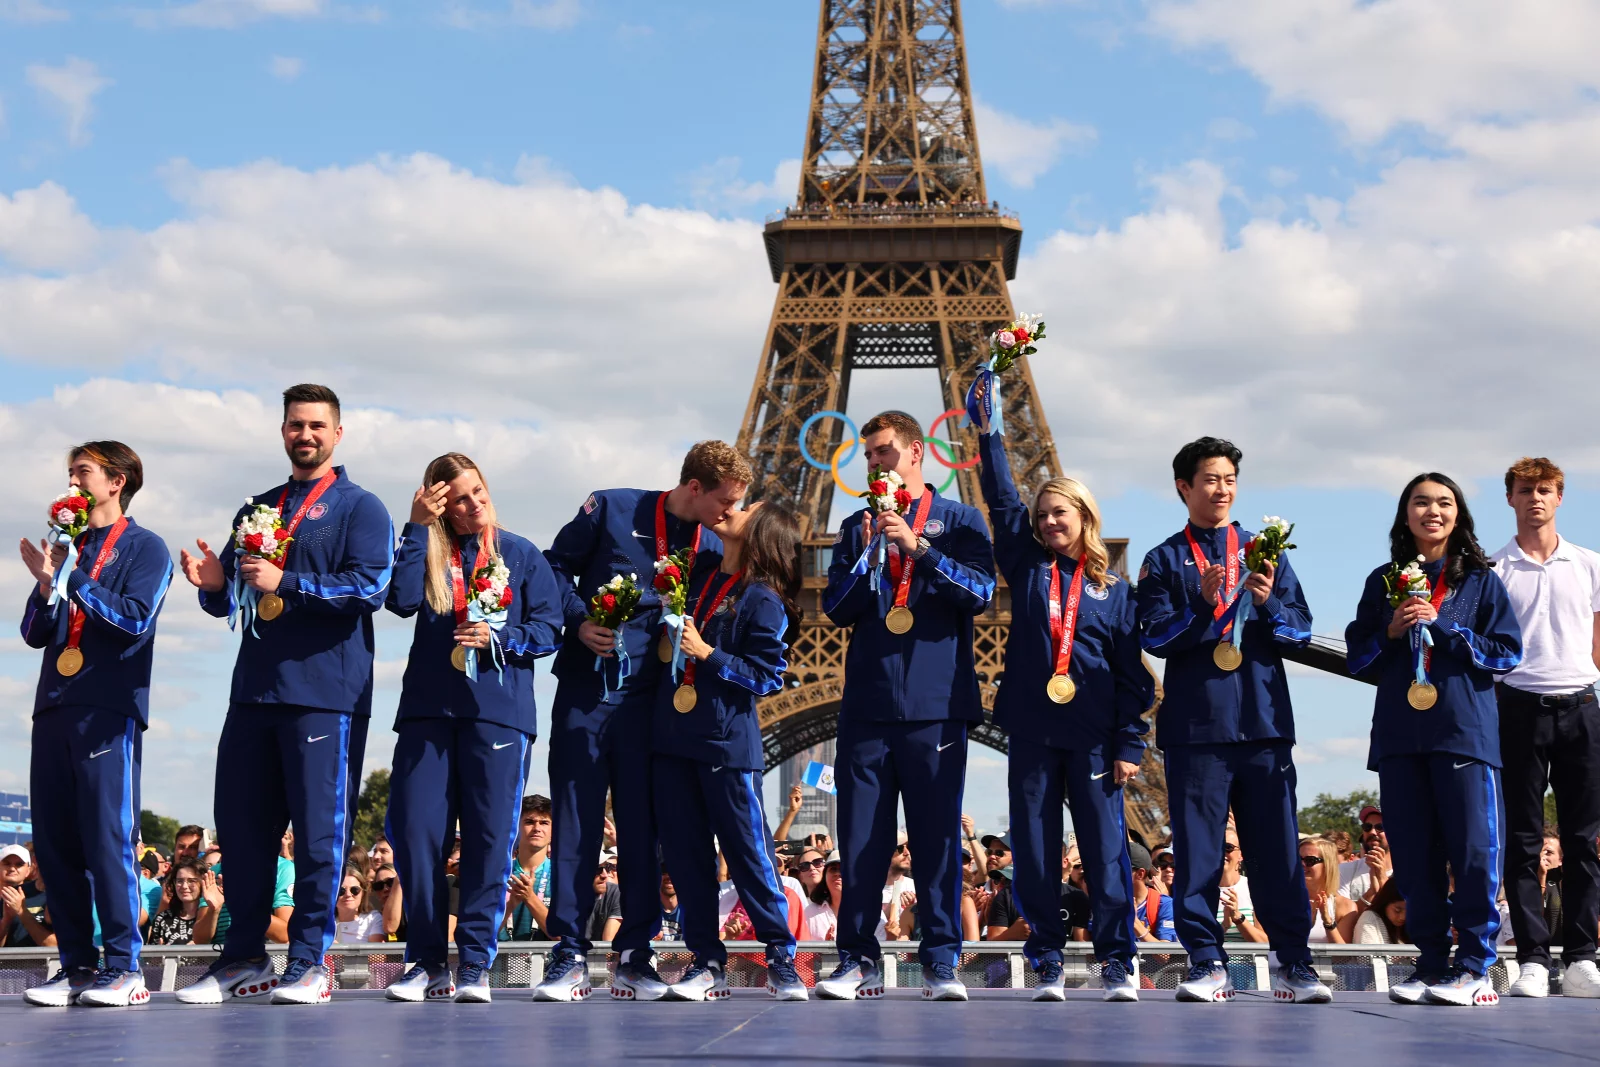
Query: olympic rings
[[969, 464], [805, 428], [853, 443], [838, 481]]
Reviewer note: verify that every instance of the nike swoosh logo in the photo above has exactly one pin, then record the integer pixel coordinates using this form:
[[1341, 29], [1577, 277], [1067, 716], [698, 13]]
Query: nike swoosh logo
[[944, 746], [1188, 563], [1469, 763], [503, 744], [313, 740], [1097, 777], [644, 537], [97, 755]]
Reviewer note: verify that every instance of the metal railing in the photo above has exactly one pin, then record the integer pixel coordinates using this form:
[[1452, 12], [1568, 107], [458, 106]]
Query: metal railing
[[983, 965]]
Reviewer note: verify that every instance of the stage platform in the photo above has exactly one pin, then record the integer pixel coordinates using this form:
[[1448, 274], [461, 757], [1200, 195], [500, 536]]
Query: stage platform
[[998, 1028]]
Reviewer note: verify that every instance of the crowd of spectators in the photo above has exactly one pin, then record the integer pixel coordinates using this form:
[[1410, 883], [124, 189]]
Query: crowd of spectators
[[1354, 899], [895, 209]]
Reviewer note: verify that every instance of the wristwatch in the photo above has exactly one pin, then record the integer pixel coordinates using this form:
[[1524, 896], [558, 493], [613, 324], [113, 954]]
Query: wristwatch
[[922, 547]]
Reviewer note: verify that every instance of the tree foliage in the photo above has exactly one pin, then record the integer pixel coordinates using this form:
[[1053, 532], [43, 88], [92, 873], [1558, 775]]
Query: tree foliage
[[158, 830], [1328, 813]]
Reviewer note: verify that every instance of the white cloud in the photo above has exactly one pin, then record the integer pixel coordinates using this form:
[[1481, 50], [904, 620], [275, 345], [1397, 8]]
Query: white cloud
[[43, 229], [718, 185], [227, 14], [31, 11], [286, 68], [1374, 66], [1021, 150], [1229, 129], [538, 14], [72, 87]]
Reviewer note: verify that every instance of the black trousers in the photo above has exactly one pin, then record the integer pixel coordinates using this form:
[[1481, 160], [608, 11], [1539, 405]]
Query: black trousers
[[1559, 747]]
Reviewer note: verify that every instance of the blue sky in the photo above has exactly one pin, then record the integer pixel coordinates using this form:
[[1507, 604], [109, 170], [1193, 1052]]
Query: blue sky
[[1357, 238]]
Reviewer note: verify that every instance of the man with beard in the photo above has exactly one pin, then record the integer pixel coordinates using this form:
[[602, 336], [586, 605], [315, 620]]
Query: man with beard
[[296, 729]]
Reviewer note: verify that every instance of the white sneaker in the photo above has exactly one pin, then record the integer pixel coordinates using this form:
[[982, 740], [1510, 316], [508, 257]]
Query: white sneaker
[[1582, 979], [637, 982], [472, 984], [701, 982], [939, 982], [566, 979], [1206, 983], [231, 980], [1533, 980], [115, 989], [420, 984], [1117, 982], [62, 991], [1463, 989], [303, 982], [1413, 989], [852, 980], [1052, 981]]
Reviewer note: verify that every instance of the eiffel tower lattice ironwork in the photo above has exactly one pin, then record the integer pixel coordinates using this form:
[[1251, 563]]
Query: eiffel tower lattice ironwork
[[893, 256]]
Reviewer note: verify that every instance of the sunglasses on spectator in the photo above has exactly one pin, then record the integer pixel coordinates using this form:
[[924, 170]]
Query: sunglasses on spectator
[[609, 868], [1229, 848], [900, 848], [1164, 865], [816, 864], [966, 857], [383, 885], [349, 891], [1310, 861], [1372, 827]]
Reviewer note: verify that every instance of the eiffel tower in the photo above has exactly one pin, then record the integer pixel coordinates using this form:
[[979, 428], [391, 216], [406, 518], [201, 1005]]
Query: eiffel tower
[[892, 256]]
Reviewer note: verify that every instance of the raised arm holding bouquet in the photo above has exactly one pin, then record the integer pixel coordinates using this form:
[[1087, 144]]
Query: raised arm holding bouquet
[[1006, 345]]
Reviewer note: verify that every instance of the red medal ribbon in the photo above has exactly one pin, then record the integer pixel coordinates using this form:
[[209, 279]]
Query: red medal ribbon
[[1063, 630], [1437, 600], [701, 613], [305, 506], [901, 566], [75, 629], [458, 576], [663, 550], [1231, 582]]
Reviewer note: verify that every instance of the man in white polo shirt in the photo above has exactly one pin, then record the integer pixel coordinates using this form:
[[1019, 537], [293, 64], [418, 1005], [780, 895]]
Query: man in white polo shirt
[[1550, 731]]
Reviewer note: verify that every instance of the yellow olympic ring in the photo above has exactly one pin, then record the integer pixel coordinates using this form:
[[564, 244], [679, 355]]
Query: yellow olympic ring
[[834, 466]]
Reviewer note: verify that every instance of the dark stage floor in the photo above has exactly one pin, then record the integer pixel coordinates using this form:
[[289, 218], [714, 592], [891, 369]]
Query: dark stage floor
[[997, 1029]]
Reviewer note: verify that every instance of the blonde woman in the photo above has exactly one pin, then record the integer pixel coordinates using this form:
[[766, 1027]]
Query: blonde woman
[[1073, 699], [487, 606], [1333, 917]]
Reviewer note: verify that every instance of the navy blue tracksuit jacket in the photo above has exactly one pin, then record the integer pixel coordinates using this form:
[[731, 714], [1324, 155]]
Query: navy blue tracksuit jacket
[[903, 720], [1064, 752], [1227, 737], [707, 770], [601, 739], [296, 730], [88, 743], [466, 743], [1439, 769]]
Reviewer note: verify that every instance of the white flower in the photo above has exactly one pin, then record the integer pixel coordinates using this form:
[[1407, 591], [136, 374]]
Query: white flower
[[615, 582]]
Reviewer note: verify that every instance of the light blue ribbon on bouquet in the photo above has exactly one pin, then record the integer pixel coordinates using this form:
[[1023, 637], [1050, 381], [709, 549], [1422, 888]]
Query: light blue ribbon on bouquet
[[1421, 639], [245, 597], [985, 407], [872, 561], [58, 582], [624, 666], [674, 624], [497, 622]]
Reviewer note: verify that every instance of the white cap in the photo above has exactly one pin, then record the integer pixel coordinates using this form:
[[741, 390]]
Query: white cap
[[17, 851], [607, 856]]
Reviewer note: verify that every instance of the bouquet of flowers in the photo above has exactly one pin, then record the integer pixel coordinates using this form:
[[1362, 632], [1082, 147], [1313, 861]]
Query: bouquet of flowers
[[490, 603], [1006, 345], [1269, 544], [68, 517], [1405, 582], [612, 605], [886, 491], [672, 582], [261, 534]]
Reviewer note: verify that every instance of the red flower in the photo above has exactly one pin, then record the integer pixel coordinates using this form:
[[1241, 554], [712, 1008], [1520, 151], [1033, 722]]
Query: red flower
[[480, 584], [878, 488], [608, 602], [662, 583], [902, 499], [671, 571], [252, 542], [505, 599], [77, 503], [1022, 336]]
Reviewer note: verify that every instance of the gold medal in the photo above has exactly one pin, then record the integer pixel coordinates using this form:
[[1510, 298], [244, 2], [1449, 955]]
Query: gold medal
[[270, 608], [70, 662], [1061, 688], [899, 620], [664, 649], [684, 698], [458, 657], [1226, 656], [1422, 695]]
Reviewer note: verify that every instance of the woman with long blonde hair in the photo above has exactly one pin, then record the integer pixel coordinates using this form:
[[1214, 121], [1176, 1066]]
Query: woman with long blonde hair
[[487, 607], [1072, 698]]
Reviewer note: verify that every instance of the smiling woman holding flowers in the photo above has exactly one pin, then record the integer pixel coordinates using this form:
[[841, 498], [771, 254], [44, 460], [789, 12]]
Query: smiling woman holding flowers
[[1434, 628], [487, 606]]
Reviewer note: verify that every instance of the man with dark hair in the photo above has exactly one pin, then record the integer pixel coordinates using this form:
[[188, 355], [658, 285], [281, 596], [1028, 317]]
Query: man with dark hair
[[528, 909], [600, 720], [186, 844], [1226, 725], [1550, 732], [292, 743], [910, 695], [89, 715]]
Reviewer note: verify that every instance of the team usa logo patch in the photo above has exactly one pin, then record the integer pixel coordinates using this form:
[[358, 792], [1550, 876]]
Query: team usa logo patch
[[933, 528], [318, 510], [115, 552], [1098, 592], [1144, 571], [590, 504]]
